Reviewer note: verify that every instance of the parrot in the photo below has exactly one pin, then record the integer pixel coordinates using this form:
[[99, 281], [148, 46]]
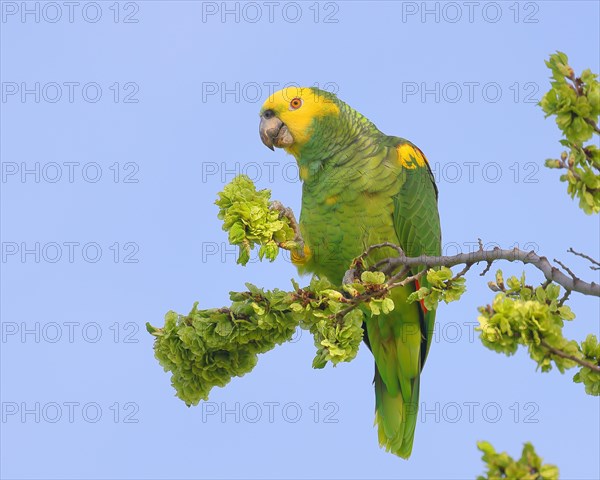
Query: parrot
[[361, 187]]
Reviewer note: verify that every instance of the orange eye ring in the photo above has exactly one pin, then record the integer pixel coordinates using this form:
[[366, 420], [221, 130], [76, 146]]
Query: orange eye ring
[[295, 103]]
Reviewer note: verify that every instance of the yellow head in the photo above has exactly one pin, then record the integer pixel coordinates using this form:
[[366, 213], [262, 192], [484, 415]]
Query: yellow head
[[289, 116]]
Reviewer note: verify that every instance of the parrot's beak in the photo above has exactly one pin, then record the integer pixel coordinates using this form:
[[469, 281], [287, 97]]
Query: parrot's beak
[[273, 132]]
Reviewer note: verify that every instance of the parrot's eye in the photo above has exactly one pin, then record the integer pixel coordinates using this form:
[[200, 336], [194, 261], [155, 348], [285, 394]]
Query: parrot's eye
[[296, 103]]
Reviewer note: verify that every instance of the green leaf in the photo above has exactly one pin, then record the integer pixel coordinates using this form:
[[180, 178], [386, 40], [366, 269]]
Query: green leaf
[[552, 291], [387, 305], [566, 313], [373, 278], [153, 330]]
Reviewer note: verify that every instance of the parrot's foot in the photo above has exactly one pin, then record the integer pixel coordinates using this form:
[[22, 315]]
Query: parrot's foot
[[289, 214]]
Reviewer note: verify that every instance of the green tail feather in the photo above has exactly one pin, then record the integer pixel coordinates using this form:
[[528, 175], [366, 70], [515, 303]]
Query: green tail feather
[[396, 418]]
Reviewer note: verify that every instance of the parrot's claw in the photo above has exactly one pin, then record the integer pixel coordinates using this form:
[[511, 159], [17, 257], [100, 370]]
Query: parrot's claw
[[349, 276], [289, 214]]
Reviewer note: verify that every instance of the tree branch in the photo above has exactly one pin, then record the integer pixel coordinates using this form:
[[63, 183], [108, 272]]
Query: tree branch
[[560, 353], [550, 272]]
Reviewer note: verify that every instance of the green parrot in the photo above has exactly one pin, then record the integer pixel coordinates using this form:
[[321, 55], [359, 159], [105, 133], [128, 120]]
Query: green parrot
[[361, 187]]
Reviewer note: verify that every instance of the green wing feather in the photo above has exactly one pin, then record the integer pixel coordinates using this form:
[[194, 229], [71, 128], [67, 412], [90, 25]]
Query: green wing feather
[[417, 225], [400, 341]]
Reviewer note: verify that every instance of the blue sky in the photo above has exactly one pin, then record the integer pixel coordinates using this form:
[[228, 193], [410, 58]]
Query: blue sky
[[119, 125]]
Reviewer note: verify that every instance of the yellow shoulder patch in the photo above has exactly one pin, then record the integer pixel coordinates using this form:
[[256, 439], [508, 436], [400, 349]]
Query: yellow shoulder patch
[[410, 157], [299, 258]]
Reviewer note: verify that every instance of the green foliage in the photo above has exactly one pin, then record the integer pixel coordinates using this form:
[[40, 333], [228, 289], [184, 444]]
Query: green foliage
[[572, 103], [582, 165], [443, 286], [207, 348], [337, 335], [373, 282], [522, 315], [528, 467], [591, 353], [250, 221], [576, 104]]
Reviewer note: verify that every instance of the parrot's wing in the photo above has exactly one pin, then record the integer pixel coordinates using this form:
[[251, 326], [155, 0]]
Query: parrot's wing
[[416, 218], [401, 339]]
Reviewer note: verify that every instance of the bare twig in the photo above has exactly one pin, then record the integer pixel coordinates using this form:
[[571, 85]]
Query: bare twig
[[405, 271], [464, 270], [380, 245], [564, 298], [596, 263], [486, 269]]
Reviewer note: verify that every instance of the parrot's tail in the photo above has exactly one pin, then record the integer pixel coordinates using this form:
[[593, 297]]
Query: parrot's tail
[[396, 417]]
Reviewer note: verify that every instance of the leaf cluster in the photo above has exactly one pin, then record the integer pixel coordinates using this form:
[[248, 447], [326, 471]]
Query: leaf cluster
[[250, 221], [575, 101], [443, 286], [502, 465], [591, 353], [534, 318], [337, 335], [207, 348]]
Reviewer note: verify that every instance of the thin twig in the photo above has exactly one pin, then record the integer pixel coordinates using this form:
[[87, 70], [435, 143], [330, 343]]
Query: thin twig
[[402, 274], [565, 268], [564, 298], [463, 271], [366, 253], [587, 257], [486, 269]]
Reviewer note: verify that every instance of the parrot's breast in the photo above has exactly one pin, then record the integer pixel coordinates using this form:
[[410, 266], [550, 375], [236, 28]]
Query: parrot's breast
[[345, 209]]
